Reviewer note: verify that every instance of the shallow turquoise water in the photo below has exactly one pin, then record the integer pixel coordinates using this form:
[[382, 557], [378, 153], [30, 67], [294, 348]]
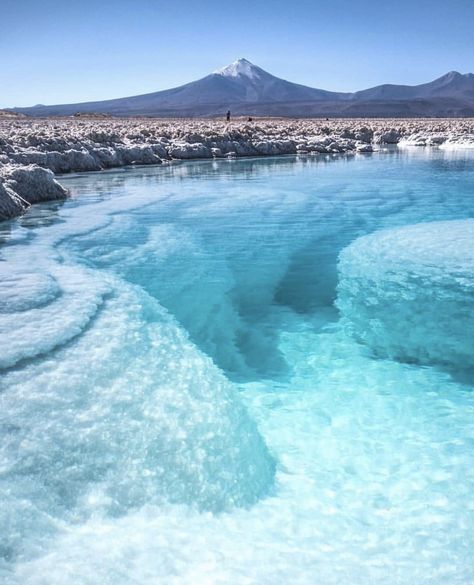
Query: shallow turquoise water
[[180, 402]]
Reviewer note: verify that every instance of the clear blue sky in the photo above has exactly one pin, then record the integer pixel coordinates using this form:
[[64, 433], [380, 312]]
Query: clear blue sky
[[62, 51]]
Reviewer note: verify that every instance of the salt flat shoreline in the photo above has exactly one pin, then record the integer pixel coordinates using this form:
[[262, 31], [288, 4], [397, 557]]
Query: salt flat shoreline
[[32, 151]]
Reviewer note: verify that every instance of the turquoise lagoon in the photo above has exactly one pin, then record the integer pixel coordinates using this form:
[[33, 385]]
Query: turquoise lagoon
[[181, 402]]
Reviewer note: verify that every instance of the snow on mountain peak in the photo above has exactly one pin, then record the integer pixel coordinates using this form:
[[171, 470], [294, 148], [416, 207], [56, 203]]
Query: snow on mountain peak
[[239, 68]]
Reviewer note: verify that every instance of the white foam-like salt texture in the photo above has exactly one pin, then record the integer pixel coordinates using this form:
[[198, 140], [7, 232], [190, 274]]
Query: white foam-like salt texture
[[129, 410], [126, 455], [47, 310], [350, 504], [22, 291], [152, 421], [408, 292]]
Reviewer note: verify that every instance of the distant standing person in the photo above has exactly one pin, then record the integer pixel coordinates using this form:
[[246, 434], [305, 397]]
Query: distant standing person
[[228, 116]]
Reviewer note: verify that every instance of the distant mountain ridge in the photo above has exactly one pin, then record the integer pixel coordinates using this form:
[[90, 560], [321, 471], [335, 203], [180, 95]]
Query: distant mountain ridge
[[451, 85], [247, 89]]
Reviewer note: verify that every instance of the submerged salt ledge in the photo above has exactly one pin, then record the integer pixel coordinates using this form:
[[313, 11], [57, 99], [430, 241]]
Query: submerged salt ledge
[[90, 145], [47, 310], [121, 442], [154, 421], [409, 292]]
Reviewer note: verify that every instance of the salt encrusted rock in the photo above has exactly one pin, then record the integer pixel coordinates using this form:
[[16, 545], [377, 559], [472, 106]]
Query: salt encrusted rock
[[362, 147], [415, 139], [140, 154], [79, 160], [61, 162], [436, 140], [160, 150], [408, 292], [335, 147], [107, 157], [390, 137], [364, 134], [456, 142], [11, 204], [268, 148], [348, 133], [244, 148], [187, 151], [28, 184]]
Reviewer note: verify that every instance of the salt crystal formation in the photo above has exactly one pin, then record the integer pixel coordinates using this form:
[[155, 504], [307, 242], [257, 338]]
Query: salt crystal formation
[[84, 144], [20, 186], [153, 420], [408, 292]]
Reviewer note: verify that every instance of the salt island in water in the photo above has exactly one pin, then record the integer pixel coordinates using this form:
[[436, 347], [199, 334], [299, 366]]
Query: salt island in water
[[246, 369]]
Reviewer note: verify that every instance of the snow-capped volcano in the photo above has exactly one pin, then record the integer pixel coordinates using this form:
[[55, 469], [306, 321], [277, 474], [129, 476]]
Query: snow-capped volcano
[[241, 68], [254, 84], [245, 88], [239, 83]]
